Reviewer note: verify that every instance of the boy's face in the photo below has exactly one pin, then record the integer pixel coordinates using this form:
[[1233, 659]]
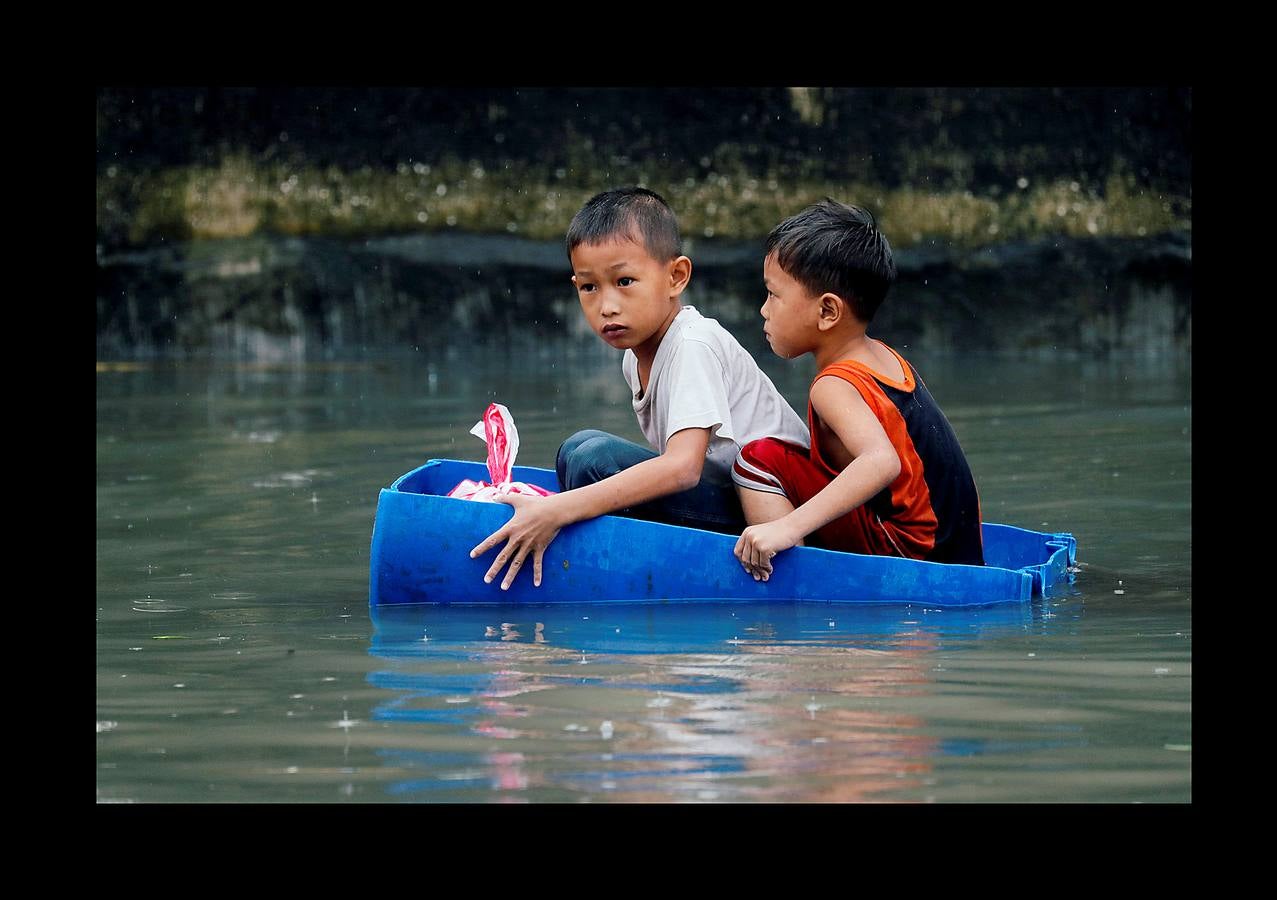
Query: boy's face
[[628, 297], [791, 313]]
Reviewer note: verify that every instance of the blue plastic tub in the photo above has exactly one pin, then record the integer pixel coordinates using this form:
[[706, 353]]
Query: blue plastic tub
[[421, 546]]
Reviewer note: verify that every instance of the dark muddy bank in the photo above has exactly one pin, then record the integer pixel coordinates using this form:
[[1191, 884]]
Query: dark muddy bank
[[274, 299]]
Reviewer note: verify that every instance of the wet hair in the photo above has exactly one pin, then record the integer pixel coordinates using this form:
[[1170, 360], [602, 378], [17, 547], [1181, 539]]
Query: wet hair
[[635, 213], [831, 247]]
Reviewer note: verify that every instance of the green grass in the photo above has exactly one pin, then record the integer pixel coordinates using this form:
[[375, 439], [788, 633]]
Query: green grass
[[243, 197]]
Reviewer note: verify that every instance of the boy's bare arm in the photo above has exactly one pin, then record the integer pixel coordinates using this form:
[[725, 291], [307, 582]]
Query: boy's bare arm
[[537, 520], [874, 465]]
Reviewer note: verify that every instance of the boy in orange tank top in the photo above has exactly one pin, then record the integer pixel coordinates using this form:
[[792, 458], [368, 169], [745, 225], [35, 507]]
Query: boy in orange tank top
[[885, 474]]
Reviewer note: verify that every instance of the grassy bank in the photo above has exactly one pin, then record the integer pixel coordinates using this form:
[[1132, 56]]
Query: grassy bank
[[244, 196]]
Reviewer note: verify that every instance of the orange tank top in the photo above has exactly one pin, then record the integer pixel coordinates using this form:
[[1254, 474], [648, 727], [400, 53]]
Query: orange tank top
[[931, 510]]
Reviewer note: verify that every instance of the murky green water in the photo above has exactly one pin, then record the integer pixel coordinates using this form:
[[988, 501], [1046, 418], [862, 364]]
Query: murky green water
[[237, 659]]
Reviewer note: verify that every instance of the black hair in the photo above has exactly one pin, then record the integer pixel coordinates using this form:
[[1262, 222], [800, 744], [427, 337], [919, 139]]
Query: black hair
[[831, 247], [628, 212]]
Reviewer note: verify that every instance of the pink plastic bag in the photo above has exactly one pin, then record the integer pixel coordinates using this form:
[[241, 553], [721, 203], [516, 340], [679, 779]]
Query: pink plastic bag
[[497, 429]]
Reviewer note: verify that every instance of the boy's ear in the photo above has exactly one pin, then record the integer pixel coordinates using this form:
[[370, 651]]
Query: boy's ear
[[680, 274], [832, 311], [573, 281]]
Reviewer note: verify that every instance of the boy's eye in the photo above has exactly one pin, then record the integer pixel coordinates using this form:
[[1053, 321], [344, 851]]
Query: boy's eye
[[585, 288], [625, 281]]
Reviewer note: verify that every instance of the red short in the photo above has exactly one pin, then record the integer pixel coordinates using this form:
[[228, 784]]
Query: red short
[[778, 467]]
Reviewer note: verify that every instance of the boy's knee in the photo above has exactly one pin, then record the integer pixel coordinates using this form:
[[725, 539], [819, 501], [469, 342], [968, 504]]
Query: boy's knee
[[765, 445], [768, 453], [760, 462], [571, 444], [585, 458]]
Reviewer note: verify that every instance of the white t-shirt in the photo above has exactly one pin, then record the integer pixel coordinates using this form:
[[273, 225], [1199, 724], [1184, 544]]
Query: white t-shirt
[[703, 378]]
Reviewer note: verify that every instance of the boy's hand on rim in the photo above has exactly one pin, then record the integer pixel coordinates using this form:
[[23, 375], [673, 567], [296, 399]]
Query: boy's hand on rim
[[759, 543], [530, 530]]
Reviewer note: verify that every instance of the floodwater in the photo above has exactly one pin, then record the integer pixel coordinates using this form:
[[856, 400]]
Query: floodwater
[[237, 658]]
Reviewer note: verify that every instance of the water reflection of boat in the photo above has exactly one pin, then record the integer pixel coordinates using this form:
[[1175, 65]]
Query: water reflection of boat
[[654, 702], [412, 630], [422, 539]]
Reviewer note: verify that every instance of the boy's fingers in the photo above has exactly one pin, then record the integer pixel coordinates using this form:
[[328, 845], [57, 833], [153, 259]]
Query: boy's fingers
[[488, 543], [762, 564], [536, 567], [754, 560], [498, 563], [514, 570]]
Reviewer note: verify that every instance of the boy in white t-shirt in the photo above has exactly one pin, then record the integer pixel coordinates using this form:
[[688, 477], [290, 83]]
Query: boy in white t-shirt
[[699, 396]]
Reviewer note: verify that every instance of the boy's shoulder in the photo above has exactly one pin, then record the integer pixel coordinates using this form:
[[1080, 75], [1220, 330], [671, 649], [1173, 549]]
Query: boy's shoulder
[[697, 327], [693, 340], [885, 367], [706, 339]]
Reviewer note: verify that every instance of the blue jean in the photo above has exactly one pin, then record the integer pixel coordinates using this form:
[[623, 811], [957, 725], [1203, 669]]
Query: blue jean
[[590, 456]]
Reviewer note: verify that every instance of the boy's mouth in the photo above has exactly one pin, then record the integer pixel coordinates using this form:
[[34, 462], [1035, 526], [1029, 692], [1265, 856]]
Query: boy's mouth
[[614, 331]]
